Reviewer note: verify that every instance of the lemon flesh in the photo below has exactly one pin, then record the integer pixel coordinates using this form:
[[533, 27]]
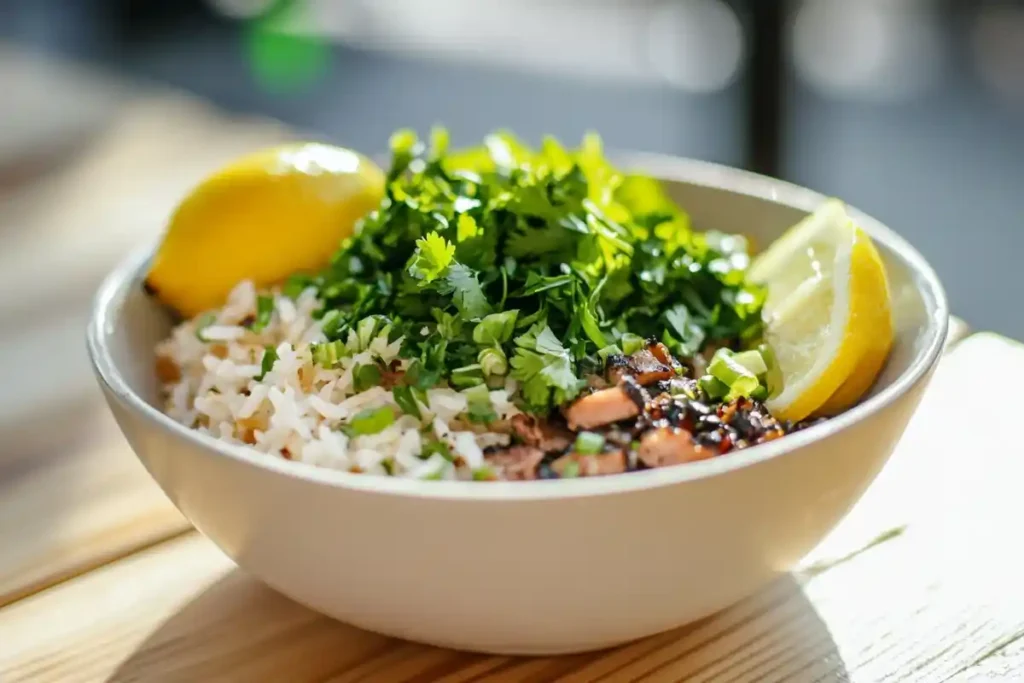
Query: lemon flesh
[[828, 313], [263, 217]]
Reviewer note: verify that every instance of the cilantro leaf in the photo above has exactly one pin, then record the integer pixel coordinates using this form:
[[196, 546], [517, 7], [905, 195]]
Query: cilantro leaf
[[434, 254], [468, 295]]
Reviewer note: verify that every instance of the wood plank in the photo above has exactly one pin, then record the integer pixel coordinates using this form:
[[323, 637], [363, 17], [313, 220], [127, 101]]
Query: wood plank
[[75, 509], [934, 600]]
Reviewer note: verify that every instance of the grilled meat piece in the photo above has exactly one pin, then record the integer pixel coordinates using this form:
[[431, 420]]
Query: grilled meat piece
[[643, 366], [517, 463], [670, 446], [610, 462], [541, 433], [600, 408]]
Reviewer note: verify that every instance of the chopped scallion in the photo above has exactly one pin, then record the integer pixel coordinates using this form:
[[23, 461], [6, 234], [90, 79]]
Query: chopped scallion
[[631, 343], [588, 443], [752, 361], [467, 376], [713, 387], [731, 373], [326, 355], [571, 471], [479, 404], [484, 474]]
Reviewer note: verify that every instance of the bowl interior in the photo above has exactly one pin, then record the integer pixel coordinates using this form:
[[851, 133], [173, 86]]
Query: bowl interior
[[127, 324]]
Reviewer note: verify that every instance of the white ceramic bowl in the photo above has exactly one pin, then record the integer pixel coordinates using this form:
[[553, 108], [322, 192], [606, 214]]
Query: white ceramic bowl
[[534, 567]]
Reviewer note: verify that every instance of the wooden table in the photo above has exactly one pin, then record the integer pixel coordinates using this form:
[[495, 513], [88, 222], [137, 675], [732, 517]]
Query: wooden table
[[102, 580]]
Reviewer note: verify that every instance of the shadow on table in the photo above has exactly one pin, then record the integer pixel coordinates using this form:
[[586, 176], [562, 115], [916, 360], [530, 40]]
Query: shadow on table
[[240, 630]]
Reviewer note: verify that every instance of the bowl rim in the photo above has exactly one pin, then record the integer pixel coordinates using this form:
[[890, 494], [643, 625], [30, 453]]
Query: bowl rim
[[115, 288]]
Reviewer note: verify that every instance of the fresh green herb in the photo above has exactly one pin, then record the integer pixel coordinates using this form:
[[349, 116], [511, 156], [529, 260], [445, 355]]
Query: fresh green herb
[[752, 361], [406, 400], [571, 471], [434, 254], [631, 343], [205, 320], [267, 364], [480, 408], [264, 311], [534, 263], [497, 328], [725, 367], [439, 447], [715, 388], [326, 355], [370, 421], [365, 376], [588, 443], [467, 376], [544, 367], [484, 473]]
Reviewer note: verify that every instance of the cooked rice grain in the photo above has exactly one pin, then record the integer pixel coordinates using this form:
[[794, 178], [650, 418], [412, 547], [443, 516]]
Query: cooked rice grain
[[299, 410]]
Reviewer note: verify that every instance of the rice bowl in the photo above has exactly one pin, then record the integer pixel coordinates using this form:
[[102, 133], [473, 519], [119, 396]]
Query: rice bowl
[[535, 567]]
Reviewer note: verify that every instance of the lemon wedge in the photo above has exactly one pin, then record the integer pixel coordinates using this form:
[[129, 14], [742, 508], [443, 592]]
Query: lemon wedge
[[828, 313], [263, 217]]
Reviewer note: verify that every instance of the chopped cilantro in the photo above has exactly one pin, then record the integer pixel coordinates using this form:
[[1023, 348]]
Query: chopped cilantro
[[406, 400], [534, 263], [366, 376], [370, 421], [264, 311], [267, 364]]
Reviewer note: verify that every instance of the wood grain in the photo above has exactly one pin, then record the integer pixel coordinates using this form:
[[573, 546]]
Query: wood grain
[[936, 600], [86, 503]]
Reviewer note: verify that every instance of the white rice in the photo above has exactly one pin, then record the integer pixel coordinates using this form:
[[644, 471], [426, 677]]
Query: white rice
[[299, 410]]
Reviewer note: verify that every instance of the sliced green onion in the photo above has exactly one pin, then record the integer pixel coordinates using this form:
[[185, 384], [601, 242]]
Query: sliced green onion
[[773, 377], [326, 355], [267, 364], [731, 373], [588, 443], [368, 328], [365, 376], [713, 387], [264, 311], [631, 343], [610, 350], [467, 376], [759, 394], [406, 401], [571, 471], [439, 447], [484, 474], [493, 362], [479, 404], [752, 361], [370, 421]]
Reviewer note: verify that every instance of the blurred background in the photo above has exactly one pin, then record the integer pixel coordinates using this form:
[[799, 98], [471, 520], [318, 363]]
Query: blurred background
[[911, 109]]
